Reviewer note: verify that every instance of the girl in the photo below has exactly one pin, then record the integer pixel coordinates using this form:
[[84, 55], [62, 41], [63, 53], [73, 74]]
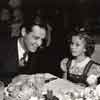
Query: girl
[[79, 65]]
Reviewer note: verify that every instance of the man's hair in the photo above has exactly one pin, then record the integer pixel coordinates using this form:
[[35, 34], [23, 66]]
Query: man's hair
[[90, 42], [30, 22]]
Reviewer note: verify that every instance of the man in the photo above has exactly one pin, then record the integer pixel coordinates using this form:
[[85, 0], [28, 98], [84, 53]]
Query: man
[[19, 56]]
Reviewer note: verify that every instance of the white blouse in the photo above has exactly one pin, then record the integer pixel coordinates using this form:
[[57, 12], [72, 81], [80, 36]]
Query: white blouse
[[78, 68]]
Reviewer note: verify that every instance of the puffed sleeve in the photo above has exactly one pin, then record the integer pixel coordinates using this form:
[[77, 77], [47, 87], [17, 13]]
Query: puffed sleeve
[[95, 69], [63, 67], [63, 64]]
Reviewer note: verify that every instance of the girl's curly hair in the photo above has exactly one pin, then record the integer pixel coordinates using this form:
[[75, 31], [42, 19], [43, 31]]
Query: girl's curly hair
[[90, 42]]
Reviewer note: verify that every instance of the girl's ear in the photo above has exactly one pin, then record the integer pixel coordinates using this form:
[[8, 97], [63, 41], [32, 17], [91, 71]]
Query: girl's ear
[[23, 31]]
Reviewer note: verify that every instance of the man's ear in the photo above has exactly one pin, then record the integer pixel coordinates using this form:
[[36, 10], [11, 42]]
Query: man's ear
[[23, 31], [84, 49]]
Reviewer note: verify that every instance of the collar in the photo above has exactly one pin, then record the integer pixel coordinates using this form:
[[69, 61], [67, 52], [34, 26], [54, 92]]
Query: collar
[[82, 63], [21, 51]]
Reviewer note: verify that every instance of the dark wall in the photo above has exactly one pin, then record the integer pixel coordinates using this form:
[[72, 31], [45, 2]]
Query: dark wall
[[63, 15]]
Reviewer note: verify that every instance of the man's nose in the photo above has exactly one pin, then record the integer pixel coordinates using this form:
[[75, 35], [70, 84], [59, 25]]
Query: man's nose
[[39, 42]]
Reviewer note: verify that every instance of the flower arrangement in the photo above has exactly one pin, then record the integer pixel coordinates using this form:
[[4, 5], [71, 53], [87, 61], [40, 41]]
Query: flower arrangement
[[23, 87], [74, 94], [28, 87], [90, 92], [33, 87]]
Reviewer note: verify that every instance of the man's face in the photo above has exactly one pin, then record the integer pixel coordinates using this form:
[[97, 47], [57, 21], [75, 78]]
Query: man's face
[[34, 39]]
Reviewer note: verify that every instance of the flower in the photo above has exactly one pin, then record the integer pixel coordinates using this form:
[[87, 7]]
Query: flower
[[23, 87], [92, 79]]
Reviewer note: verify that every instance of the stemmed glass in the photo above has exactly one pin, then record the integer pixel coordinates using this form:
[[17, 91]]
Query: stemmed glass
[[39, 81]]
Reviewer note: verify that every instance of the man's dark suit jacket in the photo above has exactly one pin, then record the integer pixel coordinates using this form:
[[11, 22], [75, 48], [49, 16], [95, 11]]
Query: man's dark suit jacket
[[9, 66]]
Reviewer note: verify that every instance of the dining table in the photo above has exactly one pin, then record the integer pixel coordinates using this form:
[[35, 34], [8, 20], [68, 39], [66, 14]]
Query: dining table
[[60, 87]]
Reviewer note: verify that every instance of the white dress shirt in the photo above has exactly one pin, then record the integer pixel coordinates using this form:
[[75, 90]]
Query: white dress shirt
[[21, 52]]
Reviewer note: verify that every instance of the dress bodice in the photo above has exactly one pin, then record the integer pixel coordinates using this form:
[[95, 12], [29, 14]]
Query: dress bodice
[[79, 77]]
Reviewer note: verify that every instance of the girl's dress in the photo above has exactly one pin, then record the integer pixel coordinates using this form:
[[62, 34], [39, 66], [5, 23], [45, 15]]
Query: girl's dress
[[79, 72]]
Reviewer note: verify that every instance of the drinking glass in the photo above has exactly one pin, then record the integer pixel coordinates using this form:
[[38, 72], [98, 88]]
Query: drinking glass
[[39, 80]]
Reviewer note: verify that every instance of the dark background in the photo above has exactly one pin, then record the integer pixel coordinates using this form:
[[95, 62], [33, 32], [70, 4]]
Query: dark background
[[63, 16]]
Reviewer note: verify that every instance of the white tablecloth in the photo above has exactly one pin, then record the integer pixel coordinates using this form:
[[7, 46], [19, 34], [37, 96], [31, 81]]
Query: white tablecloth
[[61, 85]]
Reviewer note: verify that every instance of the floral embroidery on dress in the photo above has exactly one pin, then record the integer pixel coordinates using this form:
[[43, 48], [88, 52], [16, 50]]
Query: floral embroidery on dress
[[78, 68]]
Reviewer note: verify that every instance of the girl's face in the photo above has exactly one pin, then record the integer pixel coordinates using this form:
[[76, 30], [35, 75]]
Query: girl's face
[[77, 46]]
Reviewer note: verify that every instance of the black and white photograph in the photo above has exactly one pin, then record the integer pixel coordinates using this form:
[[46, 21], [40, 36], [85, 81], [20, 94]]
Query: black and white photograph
[[49, 50]]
